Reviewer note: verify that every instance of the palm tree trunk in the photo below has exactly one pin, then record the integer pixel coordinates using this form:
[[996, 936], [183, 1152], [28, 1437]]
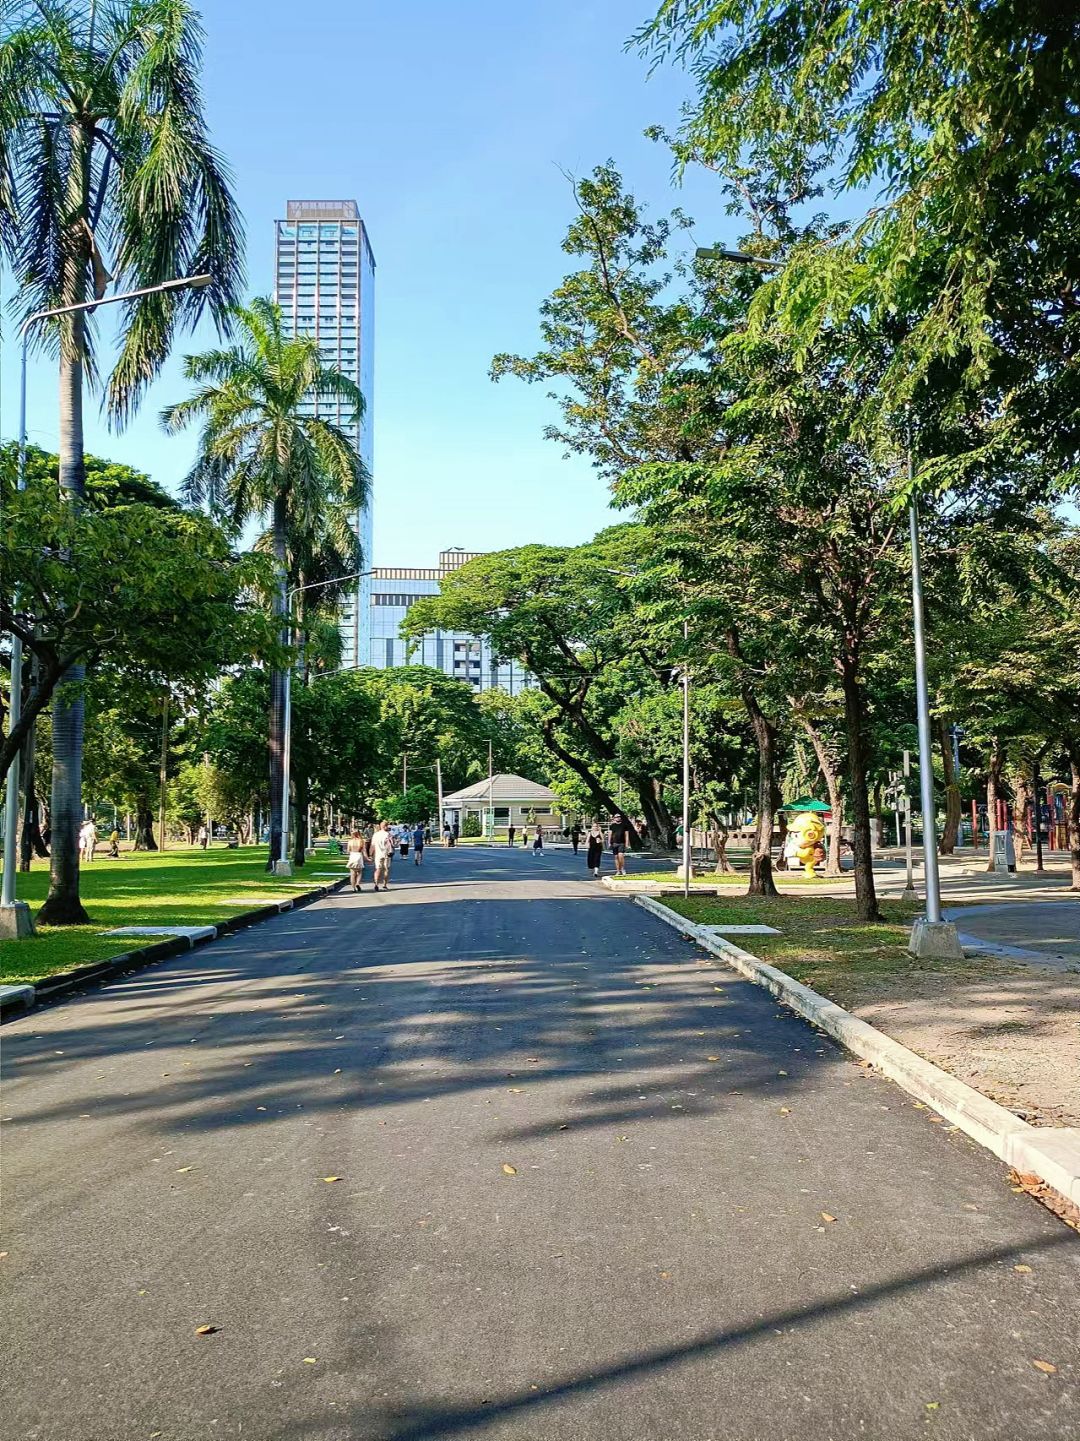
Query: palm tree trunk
[[62, 905], [277, 689]]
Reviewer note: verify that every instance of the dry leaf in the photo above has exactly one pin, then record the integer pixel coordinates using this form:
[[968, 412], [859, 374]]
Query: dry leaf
[[827, 1218], [1024, 1270], [712, 1058], [328, 1179], [205, 1330], [183, 1169], [514, 1090], [509, 1170], [781, 1073], [785, 1110], [311, 1360], [1046, 1367]]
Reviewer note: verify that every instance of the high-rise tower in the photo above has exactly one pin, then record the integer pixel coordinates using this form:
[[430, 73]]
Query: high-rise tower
[[324, 281]]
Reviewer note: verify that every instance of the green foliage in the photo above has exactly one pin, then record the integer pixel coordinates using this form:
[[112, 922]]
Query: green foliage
[[413, 807], [107, 171], [470, 827]]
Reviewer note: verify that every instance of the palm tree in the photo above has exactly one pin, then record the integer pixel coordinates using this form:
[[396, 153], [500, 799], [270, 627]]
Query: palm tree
[[105, 164], [262, 452]]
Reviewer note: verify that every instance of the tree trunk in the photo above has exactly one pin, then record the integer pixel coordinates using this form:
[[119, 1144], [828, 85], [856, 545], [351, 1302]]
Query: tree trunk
[[1074, 814], [301, 793], [951, 829], [144, 826], [993, 793], [781, 840], [1021, 796], [602, 798], [718, 839], [831, 776], [866, 906], [657, 818], [277, 689], [761, 876], [62, 905], [31, 842]]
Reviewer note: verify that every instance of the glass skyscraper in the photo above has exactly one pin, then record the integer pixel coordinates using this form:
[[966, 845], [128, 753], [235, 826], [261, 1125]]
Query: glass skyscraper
[[467, 658], [324, 282]]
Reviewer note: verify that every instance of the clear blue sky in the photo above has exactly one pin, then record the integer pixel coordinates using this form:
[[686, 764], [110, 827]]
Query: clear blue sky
[[450, 126]]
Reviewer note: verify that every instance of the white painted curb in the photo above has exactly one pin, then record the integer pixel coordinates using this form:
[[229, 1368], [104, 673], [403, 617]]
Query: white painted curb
[[1052, 1154]]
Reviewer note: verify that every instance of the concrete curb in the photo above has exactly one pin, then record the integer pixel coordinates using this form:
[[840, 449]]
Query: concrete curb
[[16, 1001], [1052, 1154]]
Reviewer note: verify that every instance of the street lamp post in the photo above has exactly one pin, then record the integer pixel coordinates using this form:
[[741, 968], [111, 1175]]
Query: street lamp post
[[282, 865], [15, 921], [686, 847], [930, 935]]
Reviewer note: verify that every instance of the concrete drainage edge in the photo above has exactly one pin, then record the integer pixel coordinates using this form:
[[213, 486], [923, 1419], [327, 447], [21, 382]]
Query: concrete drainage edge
[[20, 999], [1050, 1153]]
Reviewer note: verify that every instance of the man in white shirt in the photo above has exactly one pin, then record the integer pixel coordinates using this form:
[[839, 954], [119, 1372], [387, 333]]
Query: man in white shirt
[[382, 848]]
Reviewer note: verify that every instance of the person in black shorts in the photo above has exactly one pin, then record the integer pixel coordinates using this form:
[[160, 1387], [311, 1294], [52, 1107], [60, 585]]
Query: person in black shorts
[[618, 839]]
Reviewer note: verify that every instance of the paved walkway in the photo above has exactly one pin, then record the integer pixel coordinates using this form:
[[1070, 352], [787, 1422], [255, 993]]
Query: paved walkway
[[587, 1190]]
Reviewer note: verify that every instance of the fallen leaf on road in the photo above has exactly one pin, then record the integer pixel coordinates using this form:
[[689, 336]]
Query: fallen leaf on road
[[311, 1360], [509, 1170], [1024, 1270], [563, 1127], [781, 1073], [785, 1110], [712, 1058], [328, 1179], [182, 1169], [1046, 1367], [826, 1217], [260, 1108], [514, 1090], [206, 1330], [932, 1405]]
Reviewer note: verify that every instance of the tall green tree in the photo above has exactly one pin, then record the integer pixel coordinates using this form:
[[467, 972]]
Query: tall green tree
[[107, 172], [262, 451]]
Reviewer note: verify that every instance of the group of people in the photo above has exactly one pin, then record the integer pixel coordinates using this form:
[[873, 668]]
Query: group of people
[[88, 838], [376, 848], [616, 839]]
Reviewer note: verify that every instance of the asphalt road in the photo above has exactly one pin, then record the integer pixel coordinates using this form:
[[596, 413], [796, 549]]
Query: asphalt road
[[715, 1226]]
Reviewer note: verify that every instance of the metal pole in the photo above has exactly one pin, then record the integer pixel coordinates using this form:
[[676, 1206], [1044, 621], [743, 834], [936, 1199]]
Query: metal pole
[[286, 758], [686, 765], [491, 803], [11, 809], [404, 772], [922, 700], [438, 783]]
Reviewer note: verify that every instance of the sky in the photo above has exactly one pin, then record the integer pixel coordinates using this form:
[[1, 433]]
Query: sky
[[453, 127]]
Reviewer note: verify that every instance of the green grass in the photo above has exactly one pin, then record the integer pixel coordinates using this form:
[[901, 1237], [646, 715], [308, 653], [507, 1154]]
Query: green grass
[[740, 878], [823, 945], [181, 888]]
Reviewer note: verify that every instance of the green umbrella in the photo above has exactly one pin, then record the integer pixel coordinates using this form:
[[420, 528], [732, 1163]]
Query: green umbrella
[[807, 803]]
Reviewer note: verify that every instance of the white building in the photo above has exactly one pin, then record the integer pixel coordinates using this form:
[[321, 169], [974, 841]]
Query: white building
[[511, 800]]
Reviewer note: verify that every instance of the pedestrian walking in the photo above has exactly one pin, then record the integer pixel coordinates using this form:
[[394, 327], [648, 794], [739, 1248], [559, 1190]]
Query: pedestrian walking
[[511, 833], [418, 845], [204, 837], [594, 848], [87, 839], [382, 850], [357, 854], [618, 839], [575, 836], [403, 842], [538, 843], [524, 836], [447, 834]]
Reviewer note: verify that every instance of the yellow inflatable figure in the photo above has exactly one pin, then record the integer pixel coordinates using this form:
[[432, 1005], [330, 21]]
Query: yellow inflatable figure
[[805, 839]]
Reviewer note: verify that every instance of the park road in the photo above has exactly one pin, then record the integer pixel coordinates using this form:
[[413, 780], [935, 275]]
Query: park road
[[498, 1155]]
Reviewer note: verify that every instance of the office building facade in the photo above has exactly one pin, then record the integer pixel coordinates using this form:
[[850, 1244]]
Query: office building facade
[[467, 658], [324, 282]]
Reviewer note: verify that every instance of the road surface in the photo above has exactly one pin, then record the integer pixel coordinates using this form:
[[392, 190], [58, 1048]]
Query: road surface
[[588, 1188]]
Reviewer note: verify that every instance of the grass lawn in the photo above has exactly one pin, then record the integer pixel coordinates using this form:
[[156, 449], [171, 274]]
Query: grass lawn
[[740, 878], [823, 945], [185, 887]]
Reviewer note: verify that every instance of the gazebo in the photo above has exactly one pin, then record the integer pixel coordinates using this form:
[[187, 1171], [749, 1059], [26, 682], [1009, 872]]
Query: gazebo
[[512, 800]]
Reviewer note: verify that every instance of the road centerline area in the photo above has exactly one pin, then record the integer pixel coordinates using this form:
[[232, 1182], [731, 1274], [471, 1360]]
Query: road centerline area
[[494, 1155]]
